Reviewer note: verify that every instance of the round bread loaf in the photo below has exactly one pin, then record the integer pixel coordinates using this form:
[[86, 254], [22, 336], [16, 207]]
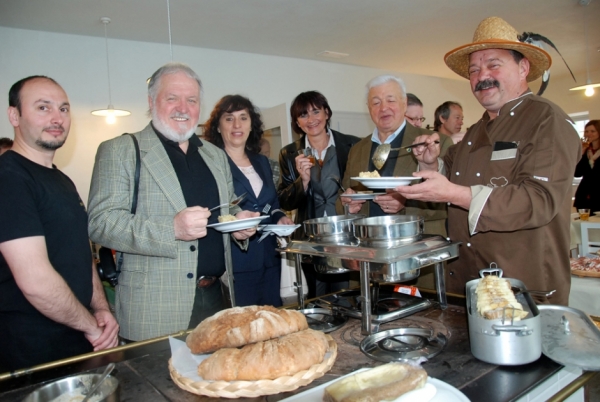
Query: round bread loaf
[[239, 326], [266, 360]]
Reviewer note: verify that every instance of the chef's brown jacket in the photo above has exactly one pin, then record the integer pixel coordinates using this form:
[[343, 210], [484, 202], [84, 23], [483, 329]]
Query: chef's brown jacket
[[520, 214]]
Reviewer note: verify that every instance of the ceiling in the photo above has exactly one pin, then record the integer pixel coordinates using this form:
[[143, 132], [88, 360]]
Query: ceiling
[[399, 35]]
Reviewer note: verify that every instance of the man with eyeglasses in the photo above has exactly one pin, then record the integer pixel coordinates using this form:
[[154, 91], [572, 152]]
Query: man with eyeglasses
[[414, 110]]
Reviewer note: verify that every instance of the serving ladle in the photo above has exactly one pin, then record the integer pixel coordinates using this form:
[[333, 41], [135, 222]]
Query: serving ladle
[[517, 290], [97, 385], [383, 151], [231, 203]]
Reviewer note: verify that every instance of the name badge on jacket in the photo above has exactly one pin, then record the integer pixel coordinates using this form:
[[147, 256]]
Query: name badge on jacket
[[504, 150]]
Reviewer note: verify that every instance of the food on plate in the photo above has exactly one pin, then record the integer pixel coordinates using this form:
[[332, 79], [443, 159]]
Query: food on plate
[[364, 192], [382, 383], [374, 173], [239, 326], [585, 264], [227, 218], [266, 360], [495, 299]]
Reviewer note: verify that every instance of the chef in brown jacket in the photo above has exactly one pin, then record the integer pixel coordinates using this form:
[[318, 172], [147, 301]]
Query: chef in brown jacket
[[508, 183]]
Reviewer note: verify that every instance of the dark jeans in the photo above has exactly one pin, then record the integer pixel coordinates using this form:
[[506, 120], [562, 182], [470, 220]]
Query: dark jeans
[[207, 302], [322, 284]]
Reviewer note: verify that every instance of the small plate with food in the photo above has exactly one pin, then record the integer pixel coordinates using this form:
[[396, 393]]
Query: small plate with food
[[362, 195], [385, 182], [227, 225], [279, 230]]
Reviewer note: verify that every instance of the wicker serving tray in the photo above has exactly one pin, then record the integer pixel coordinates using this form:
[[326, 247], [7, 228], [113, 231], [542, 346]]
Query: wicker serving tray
[[251, 389]]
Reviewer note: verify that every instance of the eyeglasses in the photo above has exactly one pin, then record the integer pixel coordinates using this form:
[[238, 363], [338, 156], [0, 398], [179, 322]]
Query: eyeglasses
[[415, 119]]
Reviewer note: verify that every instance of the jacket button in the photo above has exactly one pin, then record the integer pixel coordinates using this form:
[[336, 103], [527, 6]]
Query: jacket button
[[451, 273], [190, 275], [192, 248]]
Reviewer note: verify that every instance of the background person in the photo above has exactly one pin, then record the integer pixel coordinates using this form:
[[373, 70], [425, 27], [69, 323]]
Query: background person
[[265, 149], [172, 262], [449, 120], [5, 144], [414, 110], [508, 182], [235, 126], [309, 188], [52, 304], [588, 191]]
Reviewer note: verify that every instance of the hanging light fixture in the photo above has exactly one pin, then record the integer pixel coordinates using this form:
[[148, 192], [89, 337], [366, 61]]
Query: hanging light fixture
[[110, 112], [170, 41], [588, 87]]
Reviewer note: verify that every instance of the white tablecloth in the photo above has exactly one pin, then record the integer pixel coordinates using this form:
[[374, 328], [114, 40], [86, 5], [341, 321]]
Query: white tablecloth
[[585, 295]]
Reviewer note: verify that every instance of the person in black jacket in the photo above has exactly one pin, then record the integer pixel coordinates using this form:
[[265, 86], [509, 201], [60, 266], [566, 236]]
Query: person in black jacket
[[310, 187], [588, 192]]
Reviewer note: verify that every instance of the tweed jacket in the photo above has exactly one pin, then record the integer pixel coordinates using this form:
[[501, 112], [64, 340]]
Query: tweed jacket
[[435, 214], [157, 284], [291, 190]]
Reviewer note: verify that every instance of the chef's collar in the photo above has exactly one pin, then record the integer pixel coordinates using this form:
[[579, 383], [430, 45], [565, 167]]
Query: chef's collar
[[511, 105], [388, 140]]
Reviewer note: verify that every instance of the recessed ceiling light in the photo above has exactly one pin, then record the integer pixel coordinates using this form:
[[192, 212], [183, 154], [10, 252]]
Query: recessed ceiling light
[[332, 55]]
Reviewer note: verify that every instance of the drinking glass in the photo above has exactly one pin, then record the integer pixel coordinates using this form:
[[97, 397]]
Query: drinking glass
[[308, 152], [584, 214]]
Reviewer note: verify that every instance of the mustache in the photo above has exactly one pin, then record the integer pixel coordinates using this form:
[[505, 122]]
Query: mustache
[[485, 84], [55, 127]]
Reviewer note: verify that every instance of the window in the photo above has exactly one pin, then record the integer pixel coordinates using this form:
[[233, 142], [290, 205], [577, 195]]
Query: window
[[580, 120]]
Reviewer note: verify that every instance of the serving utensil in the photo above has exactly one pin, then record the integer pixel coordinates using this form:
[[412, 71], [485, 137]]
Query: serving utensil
[[95, 387], [383, 151], [337, 181], [231, 203]]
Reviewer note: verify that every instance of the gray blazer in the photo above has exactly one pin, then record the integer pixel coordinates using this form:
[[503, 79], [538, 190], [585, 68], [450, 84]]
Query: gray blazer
[[155, 293]]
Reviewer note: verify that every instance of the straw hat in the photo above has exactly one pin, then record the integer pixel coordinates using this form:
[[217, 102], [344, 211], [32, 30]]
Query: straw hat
[[495, 33]]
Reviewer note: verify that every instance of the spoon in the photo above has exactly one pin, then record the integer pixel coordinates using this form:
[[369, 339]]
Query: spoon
[[517, 290], [95, 387], [383, 151], [230, 204]]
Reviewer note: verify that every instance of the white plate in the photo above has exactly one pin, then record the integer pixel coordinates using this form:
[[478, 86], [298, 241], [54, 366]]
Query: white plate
[[279, 230], [445, 393], [240, 224], [362, 196], [597, 213], [385, 182]]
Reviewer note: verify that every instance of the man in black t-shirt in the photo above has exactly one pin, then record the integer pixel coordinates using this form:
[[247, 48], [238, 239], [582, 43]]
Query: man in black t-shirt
[[48, 281]]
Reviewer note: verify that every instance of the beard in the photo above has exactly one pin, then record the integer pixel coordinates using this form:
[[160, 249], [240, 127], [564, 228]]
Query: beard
[[168, 132], [51, 145]]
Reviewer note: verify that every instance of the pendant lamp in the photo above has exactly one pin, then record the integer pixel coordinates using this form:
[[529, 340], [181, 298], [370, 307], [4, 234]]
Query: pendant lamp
[[110, 112], [588, 87]]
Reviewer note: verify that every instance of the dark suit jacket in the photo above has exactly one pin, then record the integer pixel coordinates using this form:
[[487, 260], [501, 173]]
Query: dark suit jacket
[[291, 191], [258, 255], [588, 192]]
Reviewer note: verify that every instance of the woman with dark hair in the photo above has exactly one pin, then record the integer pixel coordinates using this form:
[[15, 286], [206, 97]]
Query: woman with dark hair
[[235, 126], [588, 192], [309, 187]]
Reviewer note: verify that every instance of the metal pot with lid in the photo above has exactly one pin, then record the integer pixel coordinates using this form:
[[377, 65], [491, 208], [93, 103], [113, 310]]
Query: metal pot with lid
[[566, 335], [388, 231], [331, 229]]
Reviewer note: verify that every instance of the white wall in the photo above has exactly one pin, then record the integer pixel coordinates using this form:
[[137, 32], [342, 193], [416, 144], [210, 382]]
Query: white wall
[[78, 64]]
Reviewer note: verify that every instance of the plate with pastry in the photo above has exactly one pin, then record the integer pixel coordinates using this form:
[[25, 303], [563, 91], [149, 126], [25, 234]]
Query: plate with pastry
[[250, 351], [397, 382], [385, 182], [227, 225]]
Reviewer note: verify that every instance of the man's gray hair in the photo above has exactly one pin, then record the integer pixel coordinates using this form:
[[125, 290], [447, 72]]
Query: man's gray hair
[[384, 79], [171, 68]]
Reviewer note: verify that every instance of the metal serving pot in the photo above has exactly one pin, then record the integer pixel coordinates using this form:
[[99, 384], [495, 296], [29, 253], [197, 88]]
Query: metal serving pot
[[108, 391], [504, 342], [331, 229], [388, 231]]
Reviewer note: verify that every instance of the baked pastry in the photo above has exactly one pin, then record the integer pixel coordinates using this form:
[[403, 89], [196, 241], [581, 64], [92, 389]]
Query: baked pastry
[[374, 173], [382, 383], [266, 360], [239, 326], [495, 299]]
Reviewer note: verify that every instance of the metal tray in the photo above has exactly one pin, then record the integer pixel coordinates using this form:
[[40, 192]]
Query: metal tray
[[324, 320], [570, 337]]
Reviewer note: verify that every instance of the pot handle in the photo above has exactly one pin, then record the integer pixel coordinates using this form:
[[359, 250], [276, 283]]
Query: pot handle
[[521, 329], [432, 259]]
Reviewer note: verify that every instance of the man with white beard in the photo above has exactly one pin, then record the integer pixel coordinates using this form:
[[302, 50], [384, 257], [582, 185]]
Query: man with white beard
[[172, 262]]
